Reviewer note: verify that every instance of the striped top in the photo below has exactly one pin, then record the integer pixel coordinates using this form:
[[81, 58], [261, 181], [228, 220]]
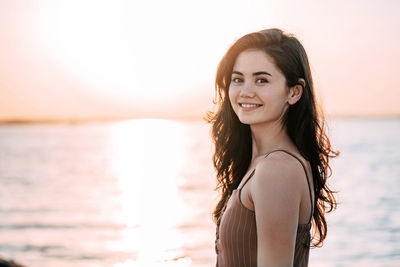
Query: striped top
[[236, 236]]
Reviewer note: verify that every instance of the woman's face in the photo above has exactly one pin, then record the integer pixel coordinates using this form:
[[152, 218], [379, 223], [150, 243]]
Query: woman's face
[[258, 92]]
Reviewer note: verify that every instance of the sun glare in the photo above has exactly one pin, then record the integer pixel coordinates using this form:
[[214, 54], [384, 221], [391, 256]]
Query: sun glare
[[122, 48], [147, 157], [135, 52]]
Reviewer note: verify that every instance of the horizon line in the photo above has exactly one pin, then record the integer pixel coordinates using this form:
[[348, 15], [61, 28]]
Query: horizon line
[[74, 120]]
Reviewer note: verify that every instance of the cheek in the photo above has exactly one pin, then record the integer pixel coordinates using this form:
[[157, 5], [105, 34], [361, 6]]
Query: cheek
[[232, 95]]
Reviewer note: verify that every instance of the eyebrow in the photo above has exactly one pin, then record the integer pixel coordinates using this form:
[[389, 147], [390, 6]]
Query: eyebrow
[[254, 74]]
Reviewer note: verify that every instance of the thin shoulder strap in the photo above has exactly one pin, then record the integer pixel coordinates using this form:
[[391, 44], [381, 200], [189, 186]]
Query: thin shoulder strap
[[252, 172], [305, 171], [251, 175]]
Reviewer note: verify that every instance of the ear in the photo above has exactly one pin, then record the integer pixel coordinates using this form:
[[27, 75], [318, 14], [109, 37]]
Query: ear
[[296, 91]]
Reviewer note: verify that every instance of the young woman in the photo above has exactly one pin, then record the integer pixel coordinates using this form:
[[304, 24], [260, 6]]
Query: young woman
[[271, 154]]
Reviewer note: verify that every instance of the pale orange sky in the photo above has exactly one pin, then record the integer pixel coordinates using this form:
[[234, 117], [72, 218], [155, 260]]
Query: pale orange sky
[[91, 59]]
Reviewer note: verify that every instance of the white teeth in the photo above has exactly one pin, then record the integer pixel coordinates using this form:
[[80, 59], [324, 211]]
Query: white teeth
[[248, 105]]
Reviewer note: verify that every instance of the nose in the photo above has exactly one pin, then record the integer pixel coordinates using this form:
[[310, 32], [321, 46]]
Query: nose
[[247, 91]]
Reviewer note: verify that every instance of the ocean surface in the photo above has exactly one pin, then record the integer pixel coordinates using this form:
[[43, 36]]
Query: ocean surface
[[141, 193]]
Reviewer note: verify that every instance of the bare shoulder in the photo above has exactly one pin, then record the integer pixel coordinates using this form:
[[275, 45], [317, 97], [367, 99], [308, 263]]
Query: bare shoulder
[[278, 170], [276, 194]]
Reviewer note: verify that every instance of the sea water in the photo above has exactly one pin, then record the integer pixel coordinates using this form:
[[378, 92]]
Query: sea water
[[141, 193]]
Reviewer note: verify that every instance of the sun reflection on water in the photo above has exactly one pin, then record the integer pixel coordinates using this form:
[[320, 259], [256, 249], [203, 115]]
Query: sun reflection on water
[[147, 156]]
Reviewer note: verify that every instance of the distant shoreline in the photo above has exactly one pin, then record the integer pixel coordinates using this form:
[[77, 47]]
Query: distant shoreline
[[194, 118], [89, 120]]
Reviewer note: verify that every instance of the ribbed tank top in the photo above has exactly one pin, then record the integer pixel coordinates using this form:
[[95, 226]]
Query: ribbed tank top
[[236, 236]]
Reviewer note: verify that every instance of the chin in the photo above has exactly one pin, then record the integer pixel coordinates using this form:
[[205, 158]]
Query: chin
[[248, 121], [254, 121]]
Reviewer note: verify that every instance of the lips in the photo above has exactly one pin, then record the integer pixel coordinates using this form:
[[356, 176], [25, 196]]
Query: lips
[[244, 105], [249, 106]]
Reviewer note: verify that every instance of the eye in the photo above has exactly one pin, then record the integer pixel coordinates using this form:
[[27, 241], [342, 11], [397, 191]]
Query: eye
[[236, 80], [261, 80]]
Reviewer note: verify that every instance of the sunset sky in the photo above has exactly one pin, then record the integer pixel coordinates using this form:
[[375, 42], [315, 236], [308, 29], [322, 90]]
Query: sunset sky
[[107, 59]]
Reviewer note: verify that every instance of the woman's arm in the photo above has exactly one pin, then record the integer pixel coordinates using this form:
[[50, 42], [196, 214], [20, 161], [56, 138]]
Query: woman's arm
[[276, 194]]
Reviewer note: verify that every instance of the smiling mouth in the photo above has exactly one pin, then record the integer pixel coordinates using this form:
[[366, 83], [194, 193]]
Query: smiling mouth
[[249, 106]]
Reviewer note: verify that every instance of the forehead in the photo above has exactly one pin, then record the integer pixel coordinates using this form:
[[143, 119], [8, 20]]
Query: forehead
[[250, 61]]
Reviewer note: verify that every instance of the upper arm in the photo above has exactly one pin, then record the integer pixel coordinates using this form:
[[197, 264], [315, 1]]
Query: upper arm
[[276, 195]]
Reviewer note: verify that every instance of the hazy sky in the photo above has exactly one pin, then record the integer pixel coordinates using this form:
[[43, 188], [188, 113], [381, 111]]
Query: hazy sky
[[77, 59]]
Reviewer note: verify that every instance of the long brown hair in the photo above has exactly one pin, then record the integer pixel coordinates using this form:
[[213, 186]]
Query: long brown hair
[[304, 123]]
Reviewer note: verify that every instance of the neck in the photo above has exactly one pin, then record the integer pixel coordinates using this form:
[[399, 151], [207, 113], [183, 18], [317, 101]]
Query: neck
[[266, 138]]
